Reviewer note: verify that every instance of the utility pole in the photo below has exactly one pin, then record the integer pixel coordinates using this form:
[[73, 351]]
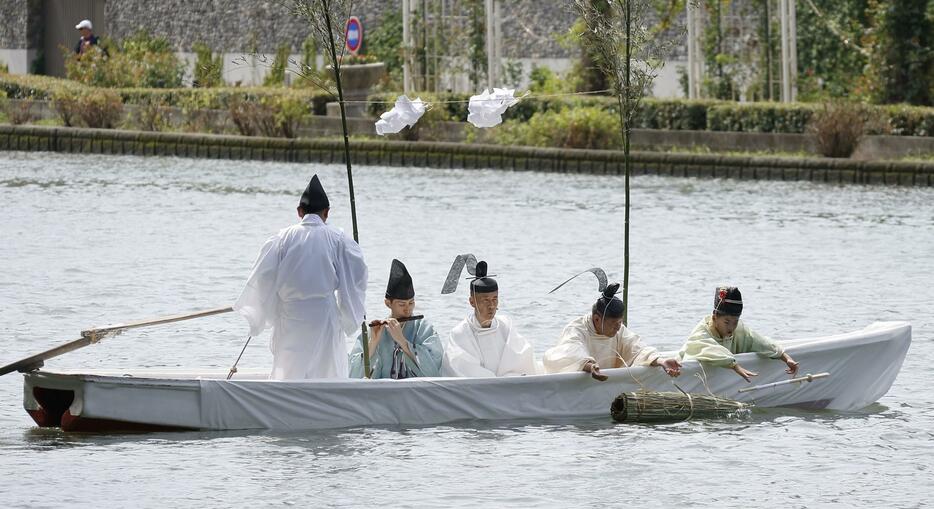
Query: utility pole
[[695, 60], [490, 44], [789, 28], [406, 47]]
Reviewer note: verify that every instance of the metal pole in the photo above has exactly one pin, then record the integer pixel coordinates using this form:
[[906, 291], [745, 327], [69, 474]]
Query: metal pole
[[497, 39], [692, 50], [793, 48], [406, 66], [786, 79], [490, 71]]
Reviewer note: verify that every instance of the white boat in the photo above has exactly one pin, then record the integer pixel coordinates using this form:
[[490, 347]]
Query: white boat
[[862, 366]]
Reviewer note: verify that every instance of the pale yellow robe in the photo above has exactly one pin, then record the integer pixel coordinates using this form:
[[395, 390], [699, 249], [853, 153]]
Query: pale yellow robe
[[706, 345], [580, 343]]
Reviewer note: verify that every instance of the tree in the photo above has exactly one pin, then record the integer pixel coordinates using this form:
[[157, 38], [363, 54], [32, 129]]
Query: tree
[[630, 54], [901, 65]]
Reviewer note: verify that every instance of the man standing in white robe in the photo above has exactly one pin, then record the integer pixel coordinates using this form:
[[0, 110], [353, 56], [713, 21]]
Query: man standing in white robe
[[309, 285], [600, 339], [486, 344]]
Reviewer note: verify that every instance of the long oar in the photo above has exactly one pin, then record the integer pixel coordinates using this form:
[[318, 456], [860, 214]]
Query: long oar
[[800, 379], [91, 336]]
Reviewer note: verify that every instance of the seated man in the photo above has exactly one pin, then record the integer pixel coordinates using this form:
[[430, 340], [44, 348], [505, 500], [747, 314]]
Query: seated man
[[599, 339], [402, 346], [721, 335], [484, 343]]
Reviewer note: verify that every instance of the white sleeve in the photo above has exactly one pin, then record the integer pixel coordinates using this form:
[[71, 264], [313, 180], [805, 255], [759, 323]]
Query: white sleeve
[[351, 289], [258, 301], [459, 360]]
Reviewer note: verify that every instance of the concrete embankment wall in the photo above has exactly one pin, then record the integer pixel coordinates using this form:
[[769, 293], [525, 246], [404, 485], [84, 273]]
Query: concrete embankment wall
[[460, 155]]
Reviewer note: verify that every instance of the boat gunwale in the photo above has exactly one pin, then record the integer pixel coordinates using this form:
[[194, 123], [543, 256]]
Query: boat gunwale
[[874, 333]]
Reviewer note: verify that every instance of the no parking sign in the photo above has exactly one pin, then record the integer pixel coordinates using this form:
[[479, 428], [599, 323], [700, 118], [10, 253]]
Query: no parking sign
[[353, 35]]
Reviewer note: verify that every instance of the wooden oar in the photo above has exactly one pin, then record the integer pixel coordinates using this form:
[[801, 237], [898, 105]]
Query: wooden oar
[[806, 378], [91, 336]]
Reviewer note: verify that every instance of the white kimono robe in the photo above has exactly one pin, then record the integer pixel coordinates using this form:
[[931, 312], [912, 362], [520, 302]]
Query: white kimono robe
[[498, 350], [580, 343], [292, 288]]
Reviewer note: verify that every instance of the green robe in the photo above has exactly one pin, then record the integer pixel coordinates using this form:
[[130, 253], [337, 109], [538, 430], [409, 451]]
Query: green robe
[[423, 342], [706, 345]]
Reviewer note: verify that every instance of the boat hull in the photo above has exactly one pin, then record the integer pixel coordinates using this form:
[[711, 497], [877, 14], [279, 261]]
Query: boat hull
[[863, 366]]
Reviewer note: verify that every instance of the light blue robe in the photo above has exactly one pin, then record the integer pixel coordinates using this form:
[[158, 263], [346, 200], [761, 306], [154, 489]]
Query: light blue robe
[[423, 342]]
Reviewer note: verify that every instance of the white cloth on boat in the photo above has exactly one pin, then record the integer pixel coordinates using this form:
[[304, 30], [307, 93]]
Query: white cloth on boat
[[309, 285], [497, 350], [863, 365], [486, 109], [580, 343], [406, 112]]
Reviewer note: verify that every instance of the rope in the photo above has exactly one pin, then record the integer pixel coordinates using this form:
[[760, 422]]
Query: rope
[[467, 101]]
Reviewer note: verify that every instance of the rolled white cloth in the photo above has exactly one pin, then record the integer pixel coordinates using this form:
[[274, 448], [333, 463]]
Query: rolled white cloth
[[406, 112], [486, 109]]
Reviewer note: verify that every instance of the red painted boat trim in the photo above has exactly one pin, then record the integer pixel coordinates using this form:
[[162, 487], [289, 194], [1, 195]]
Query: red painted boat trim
[[89, 424], [53, 403]]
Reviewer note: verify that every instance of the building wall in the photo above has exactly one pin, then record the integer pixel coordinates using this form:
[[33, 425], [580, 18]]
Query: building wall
[[247, 32]]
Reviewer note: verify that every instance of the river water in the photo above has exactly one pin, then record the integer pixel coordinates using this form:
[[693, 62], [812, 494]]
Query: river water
[[89, 240]]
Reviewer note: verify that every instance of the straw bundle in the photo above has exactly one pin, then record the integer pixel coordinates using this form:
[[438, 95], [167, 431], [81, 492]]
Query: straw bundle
[[647, 406]]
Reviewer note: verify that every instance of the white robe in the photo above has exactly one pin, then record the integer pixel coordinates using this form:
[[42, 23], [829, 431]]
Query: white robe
[[292, 289], [498, 350], [580, 343]]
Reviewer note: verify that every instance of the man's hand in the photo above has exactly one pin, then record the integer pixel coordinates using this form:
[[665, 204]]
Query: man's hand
[[594, 370], [743, 372], [395, 332], [671, 366], [792, 364]]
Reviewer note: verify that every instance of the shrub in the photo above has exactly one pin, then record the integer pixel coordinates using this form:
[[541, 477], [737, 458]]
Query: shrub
[[100, 108], [18, 111], [587, 127], [759, 117], [276, 76], [274, 115], [151, 114], [65, 104], [838, 128], [209, 69], [139, 61]]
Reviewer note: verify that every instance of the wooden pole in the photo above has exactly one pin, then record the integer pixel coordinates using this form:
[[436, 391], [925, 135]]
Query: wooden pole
[[336, 67], [91, 336]]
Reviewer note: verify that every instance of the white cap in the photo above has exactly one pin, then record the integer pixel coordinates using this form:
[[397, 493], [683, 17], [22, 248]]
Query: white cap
[[85, 23]]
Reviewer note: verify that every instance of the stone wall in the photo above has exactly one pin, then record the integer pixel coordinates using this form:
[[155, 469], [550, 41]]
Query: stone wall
[[14, 27], [229, 26]]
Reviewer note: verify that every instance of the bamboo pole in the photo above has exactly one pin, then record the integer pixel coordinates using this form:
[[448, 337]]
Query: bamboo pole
[[807, 378], [336, 67], [627, 129]]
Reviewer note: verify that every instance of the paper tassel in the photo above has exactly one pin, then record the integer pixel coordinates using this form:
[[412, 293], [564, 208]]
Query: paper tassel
[[486, 109], [405, 113]]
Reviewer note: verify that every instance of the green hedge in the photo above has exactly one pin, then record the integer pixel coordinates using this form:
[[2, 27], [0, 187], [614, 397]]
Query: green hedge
[[44, 87], [679, 114]]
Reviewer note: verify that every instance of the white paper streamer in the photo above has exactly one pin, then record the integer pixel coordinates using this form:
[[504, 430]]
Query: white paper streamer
[[486, 109], [406, 112]]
